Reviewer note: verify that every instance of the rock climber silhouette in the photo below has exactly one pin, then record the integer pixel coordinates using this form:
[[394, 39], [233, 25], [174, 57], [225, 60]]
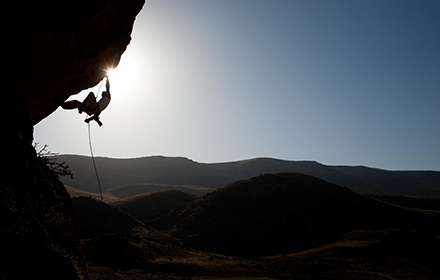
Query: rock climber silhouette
[[89, 105]]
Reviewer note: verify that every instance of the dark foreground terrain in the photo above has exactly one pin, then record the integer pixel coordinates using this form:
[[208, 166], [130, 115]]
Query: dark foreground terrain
[[275, 226]]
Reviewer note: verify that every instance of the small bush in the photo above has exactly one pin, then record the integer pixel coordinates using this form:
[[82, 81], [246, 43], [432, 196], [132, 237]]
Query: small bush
[[50, 160]]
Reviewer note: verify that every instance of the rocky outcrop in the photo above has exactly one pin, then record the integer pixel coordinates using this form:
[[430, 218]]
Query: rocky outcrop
[[38, 230], [70, 46], [52, 51]]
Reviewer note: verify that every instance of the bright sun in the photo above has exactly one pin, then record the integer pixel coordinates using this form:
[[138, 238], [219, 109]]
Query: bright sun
[[125, 74], [116, 75], [125, 81]]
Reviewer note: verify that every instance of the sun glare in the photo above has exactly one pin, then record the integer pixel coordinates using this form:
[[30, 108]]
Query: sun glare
[[125, 84], [109, 72], [124, 74], [116, 75]]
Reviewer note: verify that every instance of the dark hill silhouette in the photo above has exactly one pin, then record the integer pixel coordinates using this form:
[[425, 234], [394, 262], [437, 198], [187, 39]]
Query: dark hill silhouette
[[177, 173], [93, 217], [283, 213], [408, 244], [268, 214], [360, 179], [135, 189], [125, 243], [74, 192], [148, 206], [153, 170], [419, 202], [364, 254]]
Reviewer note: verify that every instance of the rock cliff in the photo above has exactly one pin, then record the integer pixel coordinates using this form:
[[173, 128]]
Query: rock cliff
[[52, 51], [69, 46]]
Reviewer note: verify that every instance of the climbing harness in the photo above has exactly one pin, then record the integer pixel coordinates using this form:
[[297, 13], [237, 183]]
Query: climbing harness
[[94, 118]]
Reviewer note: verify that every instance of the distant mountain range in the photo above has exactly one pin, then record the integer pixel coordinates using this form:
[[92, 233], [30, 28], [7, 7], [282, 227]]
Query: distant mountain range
[[126, 177]]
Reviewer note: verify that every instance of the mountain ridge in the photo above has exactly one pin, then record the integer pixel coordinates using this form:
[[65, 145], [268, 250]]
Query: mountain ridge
[[181, 171]]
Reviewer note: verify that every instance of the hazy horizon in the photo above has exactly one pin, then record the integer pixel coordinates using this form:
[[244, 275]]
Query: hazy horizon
[[240, 160], [337, 82]]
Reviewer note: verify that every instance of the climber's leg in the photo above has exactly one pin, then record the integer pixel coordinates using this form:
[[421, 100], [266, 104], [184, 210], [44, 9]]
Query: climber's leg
[[69, 105]]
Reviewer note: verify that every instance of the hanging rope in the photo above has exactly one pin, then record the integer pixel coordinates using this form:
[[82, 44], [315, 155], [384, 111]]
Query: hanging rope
[[97, 93], [97, 177]]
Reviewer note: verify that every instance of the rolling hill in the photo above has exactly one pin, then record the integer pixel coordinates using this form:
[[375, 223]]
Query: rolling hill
[[363, 254], [281, 226], [116, 173], [419, 202], [360, 179], [149, 206], [74, 192], [180, 173], [140, 188], [95, 218], [284, 213]]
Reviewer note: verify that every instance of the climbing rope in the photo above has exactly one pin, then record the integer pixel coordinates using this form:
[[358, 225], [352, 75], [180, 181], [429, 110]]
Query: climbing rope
[[97, 93], [94, 164], [97, 177], [91, 149]]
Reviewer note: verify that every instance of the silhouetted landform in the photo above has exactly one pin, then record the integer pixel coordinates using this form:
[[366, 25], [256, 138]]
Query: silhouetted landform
[[116, 173], [134, 189], [113, 238], [364, 254], [419, 202], [54, 49], [96, 218], [178, 173], [68, 47], [283, 213], [367, 254], [74, 192], [152, 205], [37, 223], [360, 179], [282, 226]]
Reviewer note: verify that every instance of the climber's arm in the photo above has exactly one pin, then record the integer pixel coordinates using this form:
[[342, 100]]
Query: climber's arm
[[107, 85], [105, 100]]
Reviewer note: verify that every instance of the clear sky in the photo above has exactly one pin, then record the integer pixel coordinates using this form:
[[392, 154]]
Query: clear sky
[[340, 82]]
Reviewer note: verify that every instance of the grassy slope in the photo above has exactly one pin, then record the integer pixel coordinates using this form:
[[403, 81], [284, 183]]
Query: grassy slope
[[74, 192], [140, 188], [361, 252], [419, 202], [149, 206], [282, 213], [384, 254]]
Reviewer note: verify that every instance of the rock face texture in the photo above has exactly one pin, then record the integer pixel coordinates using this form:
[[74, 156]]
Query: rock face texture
[[52, 51]]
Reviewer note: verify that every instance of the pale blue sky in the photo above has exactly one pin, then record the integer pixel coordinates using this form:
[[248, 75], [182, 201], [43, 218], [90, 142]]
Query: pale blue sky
[[339, 82]]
